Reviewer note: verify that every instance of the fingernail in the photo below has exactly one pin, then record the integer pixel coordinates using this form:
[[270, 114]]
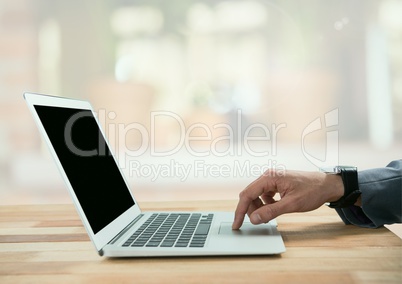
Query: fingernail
[[256, 219]]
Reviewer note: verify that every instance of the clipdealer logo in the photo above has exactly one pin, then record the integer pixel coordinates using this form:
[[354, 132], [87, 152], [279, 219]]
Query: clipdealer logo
[[202, 169], [237, 140], [331, 152]]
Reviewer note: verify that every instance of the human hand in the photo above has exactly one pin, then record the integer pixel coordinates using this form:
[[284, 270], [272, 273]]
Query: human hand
[[299, 192]]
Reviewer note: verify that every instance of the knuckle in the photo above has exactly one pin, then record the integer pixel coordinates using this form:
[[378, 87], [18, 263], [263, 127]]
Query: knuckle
[[242, 194]]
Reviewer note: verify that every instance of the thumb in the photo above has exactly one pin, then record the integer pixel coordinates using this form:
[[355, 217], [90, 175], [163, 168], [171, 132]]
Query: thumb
[[266, 213]]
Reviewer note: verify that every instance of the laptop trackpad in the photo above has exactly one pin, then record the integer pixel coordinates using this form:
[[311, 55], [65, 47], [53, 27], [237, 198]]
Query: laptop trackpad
[[247, 229]]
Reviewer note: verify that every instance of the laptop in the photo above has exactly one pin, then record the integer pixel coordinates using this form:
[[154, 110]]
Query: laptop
[[112, 217]]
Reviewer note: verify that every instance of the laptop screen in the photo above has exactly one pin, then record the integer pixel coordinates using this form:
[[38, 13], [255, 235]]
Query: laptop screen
[[87, 162]]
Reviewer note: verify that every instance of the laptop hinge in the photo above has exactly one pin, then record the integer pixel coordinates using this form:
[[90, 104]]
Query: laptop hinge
[[128, 227]]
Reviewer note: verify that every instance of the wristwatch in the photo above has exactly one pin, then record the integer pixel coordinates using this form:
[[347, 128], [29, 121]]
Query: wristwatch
[[350, 184]]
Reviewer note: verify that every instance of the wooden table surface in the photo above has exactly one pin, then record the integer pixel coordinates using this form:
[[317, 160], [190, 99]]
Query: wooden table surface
[[48, 244]]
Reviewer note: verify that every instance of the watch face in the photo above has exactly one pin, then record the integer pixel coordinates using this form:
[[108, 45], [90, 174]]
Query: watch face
[[336, 169], [331, 170]]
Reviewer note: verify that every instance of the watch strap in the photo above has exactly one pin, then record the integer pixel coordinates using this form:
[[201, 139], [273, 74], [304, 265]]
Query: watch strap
[[351, 187]]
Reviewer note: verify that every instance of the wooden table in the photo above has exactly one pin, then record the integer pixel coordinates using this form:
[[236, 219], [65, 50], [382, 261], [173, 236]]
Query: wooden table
[[48, 244]]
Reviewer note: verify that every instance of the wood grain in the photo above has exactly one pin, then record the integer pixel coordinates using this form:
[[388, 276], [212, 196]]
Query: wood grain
[[48, 244]]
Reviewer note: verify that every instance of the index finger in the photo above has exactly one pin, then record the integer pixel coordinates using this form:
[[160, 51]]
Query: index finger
[[246, 197]]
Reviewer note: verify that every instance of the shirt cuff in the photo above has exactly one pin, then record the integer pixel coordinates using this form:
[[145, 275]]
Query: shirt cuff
[[355, 215]]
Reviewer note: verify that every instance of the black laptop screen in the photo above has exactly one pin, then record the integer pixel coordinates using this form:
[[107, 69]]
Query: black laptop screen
[[87, 162]]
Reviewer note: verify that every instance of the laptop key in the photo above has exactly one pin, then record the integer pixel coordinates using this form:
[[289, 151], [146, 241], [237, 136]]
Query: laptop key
[[196, 245], [202, 229], [153, 244]]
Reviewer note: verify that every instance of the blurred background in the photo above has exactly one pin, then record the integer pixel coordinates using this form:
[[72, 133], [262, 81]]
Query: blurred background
[[277, 63]]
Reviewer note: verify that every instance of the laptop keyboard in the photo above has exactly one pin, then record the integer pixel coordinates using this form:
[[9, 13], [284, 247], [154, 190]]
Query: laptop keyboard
[[172, 230]]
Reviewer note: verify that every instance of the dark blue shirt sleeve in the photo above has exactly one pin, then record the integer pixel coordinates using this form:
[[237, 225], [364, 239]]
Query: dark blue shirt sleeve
[[381, 198]]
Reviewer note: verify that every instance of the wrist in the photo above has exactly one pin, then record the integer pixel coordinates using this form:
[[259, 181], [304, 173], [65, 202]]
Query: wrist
[[335, 187], [350, 182]]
